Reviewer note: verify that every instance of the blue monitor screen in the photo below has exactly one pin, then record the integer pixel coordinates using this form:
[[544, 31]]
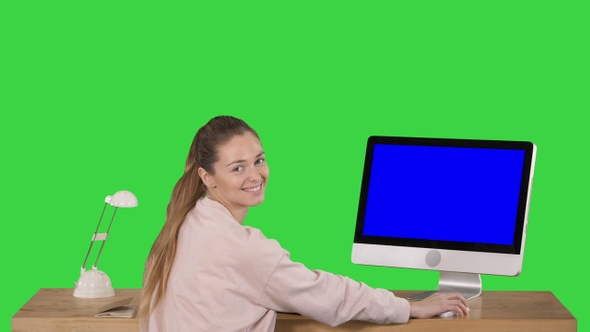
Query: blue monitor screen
[[443, 193]]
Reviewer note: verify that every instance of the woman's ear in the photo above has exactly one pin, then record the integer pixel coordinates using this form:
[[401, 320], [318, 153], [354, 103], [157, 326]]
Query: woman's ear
[[206, 178]]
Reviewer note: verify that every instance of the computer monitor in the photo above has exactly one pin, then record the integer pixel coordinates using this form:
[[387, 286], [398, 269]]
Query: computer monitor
[[458, 206]]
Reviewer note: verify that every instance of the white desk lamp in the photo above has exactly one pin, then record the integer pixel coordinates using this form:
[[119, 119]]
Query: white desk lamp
[[95, 283]]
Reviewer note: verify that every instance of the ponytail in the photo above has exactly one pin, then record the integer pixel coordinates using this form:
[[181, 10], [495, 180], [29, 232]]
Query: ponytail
[[187, 191]]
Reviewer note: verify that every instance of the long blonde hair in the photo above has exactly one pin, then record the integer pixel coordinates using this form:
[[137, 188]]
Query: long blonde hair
[[187, 191]]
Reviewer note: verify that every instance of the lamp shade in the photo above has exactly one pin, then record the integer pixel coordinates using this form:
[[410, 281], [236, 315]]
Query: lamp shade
[[122, 199]]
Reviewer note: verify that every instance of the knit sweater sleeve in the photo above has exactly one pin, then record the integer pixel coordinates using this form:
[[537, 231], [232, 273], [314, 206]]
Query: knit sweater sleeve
[[330, 298]]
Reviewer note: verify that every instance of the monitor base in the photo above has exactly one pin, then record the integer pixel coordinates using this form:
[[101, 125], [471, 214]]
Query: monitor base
[[467, 284]]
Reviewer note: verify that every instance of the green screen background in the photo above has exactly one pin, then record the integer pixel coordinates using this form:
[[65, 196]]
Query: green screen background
[[97, 97]]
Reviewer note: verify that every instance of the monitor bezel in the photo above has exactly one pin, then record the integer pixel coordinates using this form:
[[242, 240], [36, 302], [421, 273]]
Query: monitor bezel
[[522, 211]]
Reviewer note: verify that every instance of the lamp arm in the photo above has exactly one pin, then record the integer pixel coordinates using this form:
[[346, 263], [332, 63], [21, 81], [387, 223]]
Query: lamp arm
[[93, 238], [105, 239]]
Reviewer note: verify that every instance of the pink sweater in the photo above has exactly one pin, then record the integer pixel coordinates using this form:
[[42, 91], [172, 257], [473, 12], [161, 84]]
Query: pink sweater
[[229, 277]]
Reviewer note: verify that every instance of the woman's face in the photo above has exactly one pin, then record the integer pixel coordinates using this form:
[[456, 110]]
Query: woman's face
[[241, 174]]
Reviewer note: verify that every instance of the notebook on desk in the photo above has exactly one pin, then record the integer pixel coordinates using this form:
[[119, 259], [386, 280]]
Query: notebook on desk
[[117, 309]]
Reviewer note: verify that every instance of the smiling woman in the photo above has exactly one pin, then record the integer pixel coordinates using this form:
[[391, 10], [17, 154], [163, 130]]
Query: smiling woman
[[208, 272], [238, 178]]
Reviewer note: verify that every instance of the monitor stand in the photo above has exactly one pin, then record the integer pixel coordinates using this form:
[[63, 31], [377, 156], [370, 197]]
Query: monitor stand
[[467, 284]]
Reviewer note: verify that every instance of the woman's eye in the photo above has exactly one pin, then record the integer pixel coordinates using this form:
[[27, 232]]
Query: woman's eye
[[259, 161], [239, 169]]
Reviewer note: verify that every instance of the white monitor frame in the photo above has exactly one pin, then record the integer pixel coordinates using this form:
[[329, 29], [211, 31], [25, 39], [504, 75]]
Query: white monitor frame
[[460, 264]]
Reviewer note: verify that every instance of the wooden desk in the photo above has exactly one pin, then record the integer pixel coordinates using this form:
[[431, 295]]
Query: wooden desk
[[58, 310]]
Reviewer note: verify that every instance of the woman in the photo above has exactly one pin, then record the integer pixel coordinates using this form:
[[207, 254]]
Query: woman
[[208, 272]]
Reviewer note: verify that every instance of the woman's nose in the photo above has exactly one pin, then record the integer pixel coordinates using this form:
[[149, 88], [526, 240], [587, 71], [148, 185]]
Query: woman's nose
[[254, 175]]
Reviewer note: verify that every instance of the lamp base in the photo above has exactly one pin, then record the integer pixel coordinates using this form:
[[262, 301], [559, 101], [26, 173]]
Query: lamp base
[[93, 284]]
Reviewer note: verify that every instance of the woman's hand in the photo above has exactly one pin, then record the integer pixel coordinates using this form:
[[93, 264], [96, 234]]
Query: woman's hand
[[437, 304]]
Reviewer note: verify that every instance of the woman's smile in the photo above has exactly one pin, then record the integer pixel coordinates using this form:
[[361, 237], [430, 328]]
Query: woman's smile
[[253, 189]]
